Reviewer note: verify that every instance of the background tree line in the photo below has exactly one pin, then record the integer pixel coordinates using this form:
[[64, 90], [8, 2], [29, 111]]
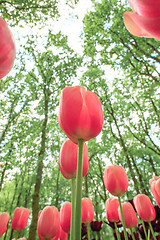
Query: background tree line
[[30, 137]]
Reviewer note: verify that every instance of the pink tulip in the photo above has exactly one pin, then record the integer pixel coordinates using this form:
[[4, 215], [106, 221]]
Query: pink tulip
[[144, 207], [4, 218], [68, 159], [7, 49], [80, 115], [155, 188], [129, 214], [116, 180], [87, 210], [20, 218], [48, 222], [144, 21], [65, 217], [111, 206]]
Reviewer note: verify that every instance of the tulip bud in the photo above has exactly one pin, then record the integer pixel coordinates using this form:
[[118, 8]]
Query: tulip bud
[[80, 115], [7, 49], [4, 218], [68, 159], [20, 218], [87, 210], [116, 180], [155, 188], [96, 226], [65, 217], [129, 214], [111, 206], [48, 222], [144, 207]]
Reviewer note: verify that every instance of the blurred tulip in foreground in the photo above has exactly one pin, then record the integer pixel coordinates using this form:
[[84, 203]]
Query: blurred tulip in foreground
[[144, 21], [80, 115], [48, 222], [65, 217], [68, 159], [130, 218], [20, 218], [4, 218], [87, 210], [111, 206], [144, 208], [115, 180], [7, 49]]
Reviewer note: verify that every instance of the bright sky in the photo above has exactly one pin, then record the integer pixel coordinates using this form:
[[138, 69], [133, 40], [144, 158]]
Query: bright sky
[[70, 23]]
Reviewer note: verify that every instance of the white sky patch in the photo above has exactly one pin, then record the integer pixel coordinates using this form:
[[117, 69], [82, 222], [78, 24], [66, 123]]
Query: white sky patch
[[70, 23]]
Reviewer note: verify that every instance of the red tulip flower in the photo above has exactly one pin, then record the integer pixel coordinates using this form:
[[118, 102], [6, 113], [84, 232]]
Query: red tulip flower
[[7, 49], [48, 222], [155, 188], [65, 217], [4, 218], [111, 206], [144, 21], [20, 218], [68, 159], [116, 180], [144, 208], [129, 214], [80, 115], [87, 210]]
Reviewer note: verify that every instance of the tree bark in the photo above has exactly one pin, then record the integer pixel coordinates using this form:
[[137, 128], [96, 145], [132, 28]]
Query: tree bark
[[35, 201]]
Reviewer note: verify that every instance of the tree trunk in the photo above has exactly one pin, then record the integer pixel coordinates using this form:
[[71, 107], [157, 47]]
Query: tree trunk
[[35, 201], [57, 190]]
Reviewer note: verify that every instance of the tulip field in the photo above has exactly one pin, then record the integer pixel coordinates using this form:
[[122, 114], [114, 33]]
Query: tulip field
[[80, 120]]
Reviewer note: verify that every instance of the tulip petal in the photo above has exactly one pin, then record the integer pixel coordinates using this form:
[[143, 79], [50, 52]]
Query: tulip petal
[[71, 102], [132, 26], [142, 26], [95, 112], [7, 49], [155, 194], [146, 8]]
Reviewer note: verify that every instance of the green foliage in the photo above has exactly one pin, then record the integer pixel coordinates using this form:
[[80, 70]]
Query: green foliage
[[31, 12], [121, 69]]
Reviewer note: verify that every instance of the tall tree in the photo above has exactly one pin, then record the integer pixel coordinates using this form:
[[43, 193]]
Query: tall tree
[[49, 76]]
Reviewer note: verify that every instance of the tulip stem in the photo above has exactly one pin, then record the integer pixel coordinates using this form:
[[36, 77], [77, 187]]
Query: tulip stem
[[88, 232], [73, 208], [132, 234], [144, 229], [117, 232], [79, 191], [151, 228], [149, 234], [17, 234], [123, 222], [98, 236]]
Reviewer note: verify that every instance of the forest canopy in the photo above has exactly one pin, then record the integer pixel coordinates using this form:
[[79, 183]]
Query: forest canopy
[[122, 69]]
